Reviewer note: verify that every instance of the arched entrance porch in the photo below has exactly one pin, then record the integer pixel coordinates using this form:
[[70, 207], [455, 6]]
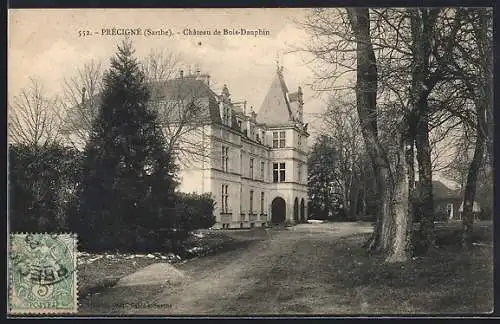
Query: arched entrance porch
[[278, 210]]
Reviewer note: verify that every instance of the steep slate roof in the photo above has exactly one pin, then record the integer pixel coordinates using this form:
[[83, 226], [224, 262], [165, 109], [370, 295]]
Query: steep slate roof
[[441, 191], [189, 89], [275, 109]]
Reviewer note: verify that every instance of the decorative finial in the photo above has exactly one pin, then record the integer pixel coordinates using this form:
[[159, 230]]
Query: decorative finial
[[83, 94], [225, 92]]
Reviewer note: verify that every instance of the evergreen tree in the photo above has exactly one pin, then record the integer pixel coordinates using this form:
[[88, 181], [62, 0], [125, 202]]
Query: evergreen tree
[[323, 187], [128, 178]]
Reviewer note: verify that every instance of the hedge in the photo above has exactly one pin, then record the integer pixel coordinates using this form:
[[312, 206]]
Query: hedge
[[43, 197]]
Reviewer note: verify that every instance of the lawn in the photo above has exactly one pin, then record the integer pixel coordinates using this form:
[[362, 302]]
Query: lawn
[[447, 280]]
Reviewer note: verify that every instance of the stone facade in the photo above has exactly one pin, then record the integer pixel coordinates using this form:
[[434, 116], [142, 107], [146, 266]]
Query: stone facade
[[254, 165]]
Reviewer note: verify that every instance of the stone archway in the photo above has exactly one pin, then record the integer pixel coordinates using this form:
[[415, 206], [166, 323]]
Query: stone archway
[[296, 210], [302, 210], [278, 210]]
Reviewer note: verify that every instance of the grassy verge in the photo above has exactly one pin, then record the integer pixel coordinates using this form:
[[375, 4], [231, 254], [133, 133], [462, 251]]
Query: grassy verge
[[447, 280]]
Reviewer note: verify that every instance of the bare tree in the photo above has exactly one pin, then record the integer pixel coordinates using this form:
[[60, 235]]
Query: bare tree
[[181, 114], [33, 117], [366, 98], [342, 125], [471, 66], [81, 100], [184, 115], [182, 100], [409, 50], [160, 66]]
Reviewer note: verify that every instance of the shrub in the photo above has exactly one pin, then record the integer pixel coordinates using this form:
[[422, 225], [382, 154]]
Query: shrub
[[192, 211], [42, 187]]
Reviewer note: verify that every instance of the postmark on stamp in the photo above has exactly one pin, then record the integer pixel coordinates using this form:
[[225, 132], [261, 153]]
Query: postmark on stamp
[[43, 278]]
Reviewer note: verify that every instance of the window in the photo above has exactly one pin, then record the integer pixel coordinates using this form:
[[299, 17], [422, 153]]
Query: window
[[241, 199], [241, 161], [299, 176], [225, 158], [278, 139], [262, 202], [224, 199], [251, 168], [262, 169], [251, 201], [226, 115], [278, 172]]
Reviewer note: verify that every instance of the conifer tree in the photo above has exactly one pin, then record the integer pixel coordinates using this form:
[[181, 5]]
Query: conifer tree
[[128, 178], [322, 184]]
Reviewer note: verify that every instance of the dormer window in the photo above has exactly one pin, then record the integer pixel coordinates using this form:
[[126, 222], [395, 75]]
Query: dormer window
[[228, 122]]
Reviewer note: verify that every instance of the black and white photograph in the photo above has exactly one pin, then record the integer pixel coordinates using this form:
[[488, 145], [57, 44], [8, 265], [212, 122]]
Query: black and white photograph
[[250, 162]]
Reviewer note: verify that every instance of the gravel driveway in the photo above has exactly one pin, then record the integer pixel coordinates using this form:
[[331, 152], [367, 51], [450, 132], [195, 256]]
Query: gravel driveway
[[278, 272]]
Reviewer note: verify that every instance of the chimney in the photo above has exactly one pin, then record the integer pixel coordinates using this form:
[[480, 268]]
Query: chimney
[[245, 107]]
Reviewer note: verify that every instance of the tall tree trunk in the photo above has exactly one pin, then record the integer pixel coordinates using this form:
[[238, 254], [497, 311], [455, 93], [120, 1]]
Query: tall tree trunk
[[472, 175], [483, 101], [426, 199], [410, 162], [366, 98], [386, 188], [422, 22], [400, 243], [485, 45]]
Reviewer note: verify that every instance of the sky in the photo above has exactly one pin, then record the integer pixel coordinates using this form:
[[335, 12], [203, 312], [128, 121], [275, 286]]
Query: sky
[[46, 44]]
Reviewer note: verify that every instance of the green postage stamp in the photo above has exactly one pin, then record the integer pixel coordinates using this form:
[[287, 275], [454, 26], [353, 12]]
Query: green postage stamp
[[42, 269]]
